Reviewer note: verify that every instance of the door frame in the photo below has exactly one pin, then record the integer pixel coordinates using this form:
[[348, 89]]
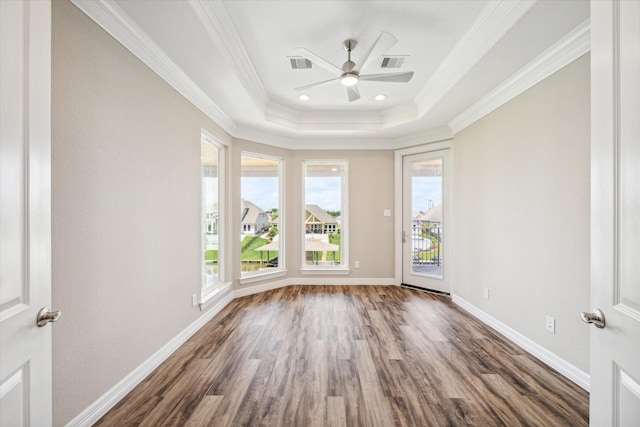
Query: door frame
[[438, 145]]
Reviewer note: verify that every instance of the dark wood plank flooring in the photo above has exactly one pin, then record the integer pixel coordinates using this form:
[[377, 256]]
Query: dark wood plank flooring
[[350, 356]]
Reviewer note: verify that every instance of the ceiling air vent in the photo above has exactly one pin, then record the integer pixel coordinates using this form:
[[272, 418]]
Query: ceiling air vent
[[393, 61], [300, 63]]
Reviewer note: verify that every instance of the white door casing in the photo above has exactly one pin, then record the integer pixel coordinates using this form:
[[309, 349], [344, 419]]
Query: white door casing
[[615, 212], [25, 212], [412, 274]]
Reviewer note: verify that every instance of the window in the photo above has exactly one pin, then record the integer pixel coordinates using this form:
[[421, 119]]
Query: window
[[260, 215], [213, 214], [325, 215]]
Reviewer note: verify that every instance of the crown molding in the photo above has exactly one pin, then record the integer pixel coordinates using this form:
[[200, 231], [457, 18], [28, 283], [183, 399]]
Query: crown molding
[[325, 130], [115, 22], [399, 115], [340, 120], [313, 141], [216, 20], [323, 120], [568, 49], [492, 24], [427, 137]]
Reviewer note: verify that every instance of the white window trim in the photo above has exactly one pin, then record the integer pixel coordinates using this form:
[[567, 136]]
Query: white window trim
[[207, 292], [214, 294], [343, 267], [254, 276], [261, 275]]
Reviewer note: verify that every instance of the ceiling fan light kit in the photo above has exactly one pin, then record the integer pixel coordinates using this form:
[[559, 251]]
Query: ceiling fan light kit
[[349, 74], [349, 79]]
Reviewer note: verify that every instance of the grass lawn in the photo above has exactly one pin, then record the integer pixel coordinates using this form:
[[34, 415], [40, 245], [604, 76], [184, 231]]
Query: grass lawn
[[336, 240], [250, 244], [249, 252]]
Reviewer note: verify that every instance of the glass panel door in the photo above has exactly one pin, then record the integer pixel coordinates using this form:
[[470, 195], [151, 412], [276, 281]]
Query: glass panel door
[[425, 220]]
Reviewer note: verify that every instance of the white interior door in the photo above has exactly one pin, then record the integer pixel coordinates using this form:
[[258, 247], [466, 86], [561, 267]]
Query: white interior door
[[615, 213], [425, 220], [25, 212]]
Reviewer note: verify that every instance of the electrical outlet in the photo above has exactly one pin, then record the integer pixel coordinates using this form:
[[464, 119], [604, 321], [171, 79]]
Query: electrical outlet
[[194, 300], [551, 324], [486, 293], [356, 264]]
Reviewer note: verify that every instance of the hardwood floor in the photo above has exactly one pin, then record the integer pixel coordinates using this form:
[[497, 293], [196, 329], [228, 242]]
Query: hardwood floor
[[350, 356]]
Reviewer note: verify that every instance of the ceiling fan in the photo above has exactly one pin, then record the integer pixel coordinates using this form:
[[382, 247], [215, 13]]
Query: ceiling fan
[[349, 75]]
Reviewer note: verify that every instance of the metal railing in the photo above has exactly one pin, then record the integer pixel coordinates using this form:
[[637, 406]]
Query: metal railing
[[427, 247]]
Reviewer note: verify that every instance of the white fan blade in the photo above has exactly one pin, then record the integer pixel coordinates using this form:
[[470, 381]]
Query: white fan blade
[[383, 43], [353, 93], [320, 62], [316, 84], [388, 77]]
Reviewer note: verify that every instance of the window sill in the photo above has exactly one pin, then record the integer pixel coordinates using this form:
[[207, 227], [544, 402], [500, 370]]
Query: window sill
[[213, 294], [262, 276], [336, 271]]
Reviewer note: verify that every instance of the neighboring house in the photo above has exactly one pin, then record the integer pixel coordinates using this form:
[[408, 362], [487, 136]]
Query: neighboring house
[[211, 218], [318, 221], [432, 216], [254, 220]]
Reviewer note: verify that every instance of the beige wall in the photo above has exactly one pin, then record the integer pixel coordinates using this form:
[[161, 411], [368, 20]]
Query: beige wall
[[371, 190], [521, 212], [125, 211]]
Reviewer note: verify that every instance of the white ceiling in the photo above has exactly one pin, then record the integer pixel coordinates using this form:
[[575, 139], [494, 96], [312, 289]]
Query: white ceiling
[[231, 59]]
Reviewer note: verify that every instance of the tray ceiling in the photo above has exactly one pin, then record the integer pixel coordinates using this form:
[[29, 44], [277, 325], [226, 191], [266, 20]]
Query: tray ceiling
[[232, 60]]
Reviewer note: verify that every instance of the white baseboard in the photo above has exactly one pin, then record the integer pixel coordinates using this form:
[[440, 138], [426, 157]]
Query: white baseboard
[[250, 290], [101, 406], [263, 287], [352, 281], [97, 409], [571, 372]]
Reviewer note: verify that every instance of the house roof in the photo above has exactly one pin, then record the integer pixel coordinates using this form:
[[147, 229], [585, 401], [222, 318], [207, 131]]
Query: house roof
[[431, 215], [250, 212], [320, 214]]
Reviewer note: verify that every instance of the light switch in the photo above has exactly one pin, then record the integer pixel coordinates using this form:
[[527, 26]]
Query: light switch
[[387, 212]]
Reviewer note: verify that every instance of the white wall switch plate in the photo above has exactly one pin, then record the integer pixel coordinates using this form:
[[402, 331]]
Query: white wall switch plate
[[550, 324], [386, 212]]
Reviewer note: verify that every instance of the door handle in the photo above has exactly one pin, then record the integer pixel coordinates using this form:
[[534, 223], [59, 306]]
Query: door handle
[[45, 316], [596, 317]]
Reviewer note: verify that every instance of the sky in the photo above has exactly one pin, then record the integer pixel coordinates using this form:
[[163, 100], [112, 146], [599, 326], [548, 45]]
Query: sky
[[426, 188], [325, 192], [263, 192]]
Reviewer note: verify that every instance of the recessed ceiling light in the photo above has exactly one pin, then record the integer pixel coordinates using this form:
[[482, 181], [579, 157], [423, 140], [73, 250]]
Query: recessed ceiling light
[[380, 97], [304, 97]]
